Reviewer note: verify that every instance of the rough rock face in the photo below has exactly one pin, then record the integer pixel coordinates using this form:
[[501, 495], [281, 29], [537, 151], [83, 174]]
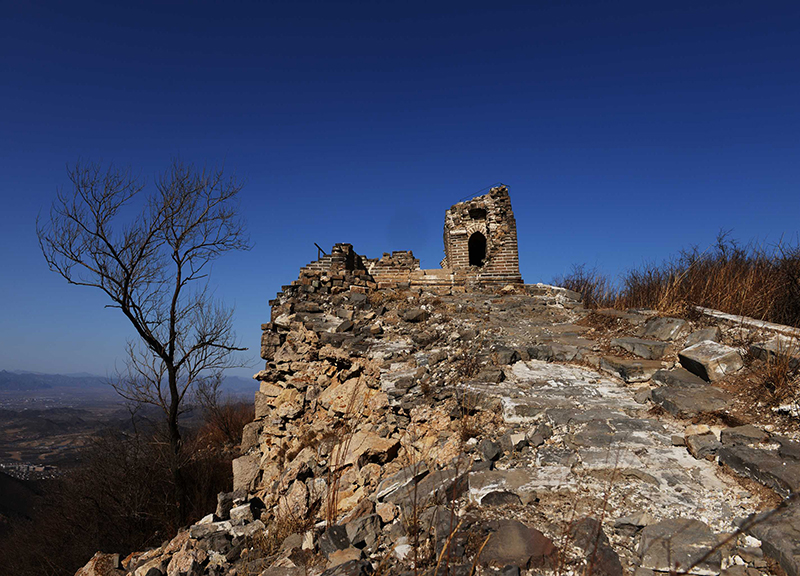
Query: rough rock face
[[506, 432]]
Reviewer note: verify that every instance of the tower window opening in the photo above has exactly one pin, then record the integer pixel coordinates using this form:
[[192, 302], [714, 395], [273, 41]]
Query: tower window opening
[[477, 249]]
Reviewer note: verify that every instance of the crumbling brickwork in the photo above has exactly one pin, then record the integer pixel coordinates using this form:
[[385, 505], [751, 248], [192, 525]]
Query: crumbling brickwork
[[393, 270], [480, 243], [480, 238]]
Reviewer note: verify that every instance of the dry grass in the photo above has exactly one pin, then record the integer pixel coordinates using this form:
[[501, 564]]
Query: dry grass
[[468, 423], [596, 288], [751, 280]]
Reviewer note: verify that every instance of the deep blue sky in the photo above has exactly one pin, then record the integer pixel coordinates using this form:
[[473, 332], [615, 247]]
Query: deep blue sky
[[625, 132]]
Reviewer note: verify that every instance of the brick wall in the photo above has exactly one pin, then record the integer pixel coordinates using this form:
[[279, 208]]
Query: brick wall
[[492, 216]]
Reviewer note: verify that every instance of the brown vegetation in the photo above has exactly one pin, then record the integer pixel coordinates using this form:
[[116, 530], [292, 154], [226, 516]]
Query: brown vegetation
[[121, 498], [751, 280]]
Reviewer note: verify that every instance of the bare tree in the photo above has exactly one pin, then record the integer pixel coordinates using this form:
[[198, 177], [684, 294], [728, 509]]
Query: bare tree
[[151, 257]]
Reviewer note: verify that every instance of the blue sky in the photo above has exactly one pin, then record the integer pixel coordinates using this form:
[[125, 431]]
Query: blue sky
[[624, 130]]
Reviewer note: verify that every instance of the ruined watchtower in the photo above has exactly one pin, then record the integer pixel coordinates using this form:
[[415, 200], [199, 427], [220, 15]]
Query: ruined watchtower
[[480, 238]]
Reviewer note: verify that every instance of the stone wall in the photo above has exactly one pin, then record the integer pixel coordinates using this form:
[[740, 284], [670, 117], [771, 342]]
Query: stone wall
[[393, 270], [480, 238]]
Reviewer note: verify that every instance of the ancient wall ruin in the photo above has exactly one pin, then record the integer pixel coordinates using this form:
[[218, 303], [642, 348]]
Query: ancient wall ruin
[[480, 238], [480, 244]]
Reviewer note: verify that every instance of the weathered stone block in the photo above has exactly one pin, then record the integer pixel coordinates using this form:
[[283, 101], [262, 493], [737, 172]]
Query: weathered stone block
[[712, 333], [703, 445], [665, 328], [677, 544], [689, 401], [765, 466], [513, 543], [245, 471], [780, 537], [648, 349], [710, 360], [745, 435], [631, 370]]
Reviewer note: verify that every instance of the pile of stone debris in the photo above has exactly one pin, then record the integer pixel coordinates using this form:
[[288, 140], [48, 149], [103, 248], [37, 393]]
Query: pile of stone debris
[[492, 433]]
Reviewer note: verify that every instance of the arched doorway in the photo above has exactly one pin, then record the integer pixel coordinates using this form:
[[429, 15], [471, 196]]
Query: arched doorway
[[477, 249]]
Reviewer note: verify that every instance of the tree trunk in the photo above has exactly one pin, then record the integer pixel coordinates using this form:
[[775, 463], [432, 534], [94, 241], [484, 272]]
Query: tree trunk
[[175, 448]]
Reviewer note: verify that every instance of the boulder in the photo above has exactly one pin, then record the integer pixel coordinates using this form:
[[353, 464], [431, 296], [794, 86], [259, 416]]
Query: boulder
[[678, 377], [778, 347], [506, 356], [513, 543], [333, 539], [631, 525], [154, 567], [241, 514], [187, 562], [677, 544], [441, 485], [415, 315], [245, 471], [399, 481], [350, 568], [341, 556], [553, 352], [711, 360], [745, 435], [365, 447], [363, 532], [489, 449], [102, 565]]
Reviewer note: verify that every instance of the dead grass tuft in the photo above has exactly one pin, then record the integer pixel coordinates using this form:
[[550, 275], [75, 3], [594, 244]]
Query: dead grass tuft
[[750, 280]]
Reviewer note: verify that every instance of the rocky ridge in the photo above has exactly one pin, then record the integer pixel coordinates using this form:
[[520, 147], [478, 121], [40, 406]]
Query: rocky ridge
[[502, 432]]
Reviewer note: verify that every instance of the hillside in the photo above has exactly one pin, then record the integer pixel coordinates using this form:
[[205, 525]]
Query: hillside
[[470, 431]]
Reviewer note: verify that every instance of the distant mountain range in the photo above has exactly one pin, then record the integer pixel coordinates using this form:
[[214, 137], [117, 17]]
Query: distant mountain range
[[30, 381], [37, 381]]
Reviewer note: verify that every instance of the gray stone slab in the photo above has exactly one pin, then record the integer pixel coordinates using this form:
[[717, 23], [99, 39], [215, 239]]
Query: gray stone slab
[[712, 333], [688, 401], [778, 347], [678, 544], [703, 445], [745, 435], [667, 329], [633, 317], [765, 466], [678, 377], [647, 349], [513, 543], [631, 370], [780, 537], [711, 360]]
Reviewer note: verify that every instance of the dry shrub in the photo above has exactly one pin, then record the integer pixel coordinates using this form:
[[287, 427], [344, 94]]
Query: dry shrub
[[224, 420], [750, 280], [467, 424], [121, 498], [468, 366], [778, 373], [268, 542], [595, 287]]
